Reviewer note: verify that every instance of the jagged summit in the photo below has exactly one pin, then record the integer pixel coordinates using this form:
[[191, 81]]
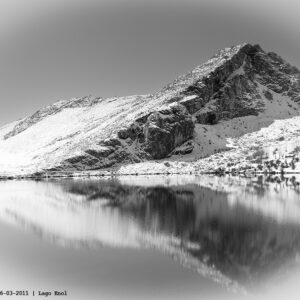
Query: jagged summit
[[188, 119], [203, 70]]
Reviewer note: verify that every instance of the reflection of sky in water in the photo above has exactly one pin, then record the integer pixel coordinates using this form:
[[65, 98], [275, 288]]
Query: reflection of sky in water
[[235, 232]]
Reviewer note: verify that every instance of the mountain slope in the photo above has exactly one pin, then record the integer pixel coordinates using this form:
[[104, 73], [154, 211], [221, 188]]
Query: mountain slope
[[238, 91]]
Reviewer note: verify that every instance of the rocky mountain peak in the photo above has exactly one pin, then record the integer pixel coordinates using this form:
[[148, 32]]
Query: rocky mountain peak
[[92, 133], [229, 84]]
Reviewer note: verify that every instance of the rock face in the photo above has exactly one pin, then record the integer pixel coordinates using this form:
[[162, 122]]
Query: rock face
[[173, 126], [94, 133]]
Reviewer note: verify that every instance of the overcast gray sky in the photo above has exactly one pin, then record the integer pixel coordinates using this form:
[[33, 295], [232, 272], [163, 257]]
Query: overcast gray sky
[[60, 49]]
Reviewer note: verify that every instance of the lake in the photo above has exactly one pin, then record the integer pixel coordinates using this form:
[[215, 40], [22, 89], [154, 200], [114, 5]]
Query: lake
[[151, 237]]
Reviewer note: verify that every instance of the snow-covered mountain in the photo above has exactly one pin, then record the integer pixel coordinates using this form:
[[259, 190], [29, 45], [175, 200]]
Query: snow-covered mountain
[[241, 100]]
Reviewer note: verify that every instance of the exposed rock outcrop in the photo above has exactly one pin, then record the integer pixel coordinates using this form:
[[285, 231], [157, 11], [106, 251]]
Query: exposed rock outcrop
[[167, 129]]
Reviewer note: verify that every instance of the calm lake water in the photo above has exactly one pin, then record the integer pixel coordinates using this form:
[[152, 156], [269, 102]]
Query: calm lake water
[[172, 237]]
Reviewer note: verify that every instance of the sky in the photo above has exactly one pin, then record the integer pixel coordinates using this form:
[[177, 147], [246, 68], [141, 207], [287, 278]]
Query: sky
[[61, 49]]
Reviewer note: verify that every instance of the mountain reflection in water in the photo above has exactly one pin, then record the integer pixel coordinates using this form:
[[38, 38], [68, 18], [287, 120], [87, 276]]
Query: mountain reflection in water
[[241, 233]]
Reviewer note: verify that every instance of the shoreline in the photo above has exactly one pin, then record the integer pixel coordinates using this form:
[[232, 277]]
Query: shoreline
[[65, 175]]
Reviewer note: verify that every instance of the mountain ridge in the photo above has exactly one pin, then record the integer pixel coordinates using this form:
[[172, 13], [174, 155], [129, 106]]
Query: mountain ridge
[[89, 133]]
